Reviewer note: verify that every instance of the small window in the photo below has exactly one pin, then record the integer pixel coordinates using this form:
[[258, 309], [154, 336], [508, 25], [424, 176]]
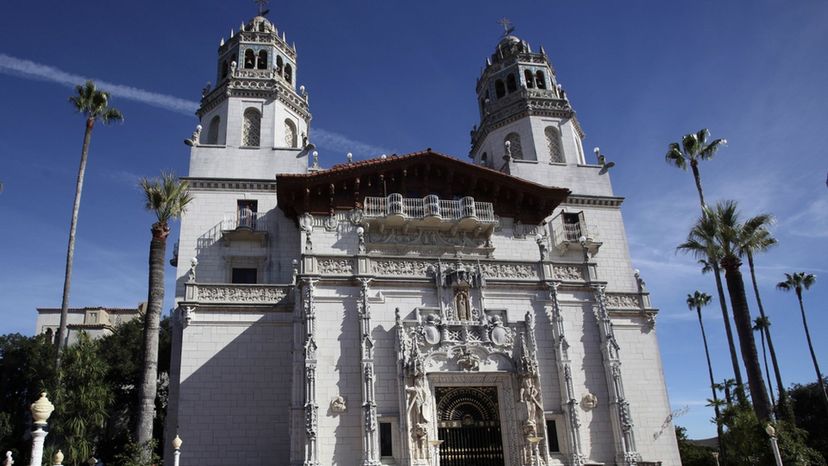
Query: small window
[[553, 143], [530, 80], [290, 134], [249, 59], [279, 64], [244, 276], [261, 61], [484, 159], [225, 68], [514, 145], [552, 435], [500, 89], [540, 80], [572, 225], [213, 130], [246, 214], [511, 84], [288, 74], [252, 128], [386, 449]]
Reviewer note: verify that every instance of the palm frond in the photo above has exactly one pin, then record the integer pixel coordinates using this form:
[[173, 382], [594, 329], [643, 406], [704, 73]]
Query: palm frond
[[675, 157], [690, 143], [708, 151], [167, 197]]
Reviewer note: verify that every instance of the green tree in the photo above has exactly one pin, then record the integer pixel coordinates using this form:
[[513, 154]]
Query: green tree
[[695, 302], [166, 197], [94, 105], [691, 453], [756, 240], [82, 400], [723, 228], [695, 147], [797, 282], [807, 403]]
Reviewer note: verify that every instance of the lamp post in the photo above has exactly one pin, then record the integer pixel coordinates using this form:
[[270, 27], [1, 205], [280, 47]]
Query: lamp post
[[774, 445], [435, 447], [176, 443], [534, 440], [41, 410]]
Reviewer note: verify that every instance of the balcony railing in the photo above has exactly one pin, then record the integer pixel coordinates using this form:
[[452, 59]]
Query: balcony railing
[[429, 207], [244, 220]]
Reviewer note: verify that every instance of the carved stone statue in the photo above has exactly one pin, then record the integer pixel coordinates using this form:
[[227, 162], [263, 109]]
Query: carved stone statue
[[419, 435], [589, 401], [417, 401], [529, 395], [338, 405], [461, 304], [467, 360]]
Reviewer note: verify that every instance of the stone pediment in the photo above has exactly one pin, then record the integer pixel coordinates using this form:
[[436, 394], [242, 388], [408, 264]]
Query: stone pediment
[[416, 175]]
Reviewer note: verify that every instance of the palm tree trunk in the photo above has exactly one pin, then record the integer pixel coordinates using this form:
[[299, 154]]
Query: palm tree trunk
[[155, 299], [741, 315], [694, 165], [60, 341], [719, 431], [784, 408], [767, 366], [820, 380], [731, 344]]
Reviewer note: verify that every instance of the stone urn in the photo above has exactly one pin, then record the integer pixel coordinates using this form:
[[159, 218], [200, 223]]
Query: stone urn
[[41, 410], [58, 458]]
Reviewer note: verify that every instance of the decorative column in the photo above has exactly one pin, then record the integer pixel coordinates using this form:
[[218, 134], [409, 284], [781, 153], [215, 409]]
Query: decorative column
[[622, 424], [370, 435], [531, 394], [568, 399], [311, 406], [41, 410]]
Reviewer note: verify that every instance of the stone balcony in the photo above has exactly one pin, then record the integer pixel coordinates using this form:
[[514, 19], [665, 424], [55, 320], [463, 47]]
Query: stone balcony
[[462, 215], [244, 226]]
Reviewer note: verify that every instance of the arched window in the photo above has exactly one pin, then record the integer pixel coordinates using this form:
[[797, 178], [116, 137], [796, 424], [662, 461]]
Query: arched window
[[249, 59], [225, 68], [514, 145], [261, 63], [279, 64], [500, 89], [553, 142], [484, 159], [261, 27], [540, 80], [511, 84], [252, 128], [530, 80], [213, 130], [288, 73], [290, 134]]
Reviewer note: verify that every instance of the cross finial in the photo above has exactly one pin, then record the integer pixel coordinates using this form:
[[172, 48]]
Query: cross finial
[[262, 6], [507, 25]]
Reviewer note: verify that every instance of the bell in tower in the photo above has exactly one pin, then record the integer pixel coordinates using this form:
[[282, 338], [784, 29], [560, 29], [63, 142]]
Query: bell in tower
[[254, 123]]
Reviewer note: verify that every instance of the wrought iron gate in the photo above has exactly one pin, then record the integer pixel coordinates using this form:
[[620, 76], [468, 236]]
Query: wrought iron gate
[[469, 426]]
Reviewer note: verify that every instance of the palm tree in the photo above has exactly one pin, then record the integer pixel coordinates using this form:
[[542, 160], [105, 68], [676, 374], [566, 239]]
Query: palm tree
[[797, 282], [167, 198], [761, 324], [696, 301], [759, 239], [693, 148], [94, 104], [728, 235]]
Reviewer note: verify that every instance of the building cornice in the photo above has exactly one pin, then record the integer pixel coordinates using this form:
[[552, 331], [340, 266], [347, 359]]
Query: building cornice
[[229, 184], [597, 201]]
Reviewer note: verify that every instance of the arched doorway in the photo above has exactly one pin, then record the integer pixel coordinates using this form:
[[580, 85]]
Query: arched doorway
[[468, 423]]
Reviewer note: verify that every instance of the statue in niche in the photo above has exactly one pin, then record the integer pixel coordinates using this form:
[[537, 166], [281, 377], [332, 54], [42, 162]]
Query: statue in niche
[[418, 398], [419, 435], [529, 394], [461, 305]]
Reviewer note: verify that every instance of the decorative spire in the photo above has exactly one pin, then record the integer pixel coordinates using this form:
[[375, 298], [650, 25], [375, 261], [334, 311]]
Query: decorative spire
[[508, 28], [263, 10]]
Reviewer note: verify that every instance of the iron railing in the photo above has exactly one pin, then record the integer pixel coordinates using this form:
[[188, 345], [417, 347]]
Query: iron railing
[[429, 206]]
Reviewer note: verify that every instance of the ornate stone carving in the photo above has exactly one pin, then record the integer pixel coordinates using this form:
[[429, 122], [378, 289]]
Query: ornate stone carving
[[500, 335], [187, 315], [335, 266], [568, 273], [589, 402], [508, 270], [338, 405], [461, 304], [466, 360], [427, 238], [623, 301], [402, 267], [242, 294]]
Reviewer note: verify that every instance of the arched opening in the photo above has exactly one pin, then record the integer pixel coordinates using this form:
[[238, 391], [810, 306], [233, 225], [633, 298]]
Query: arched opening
[[261, 27], [213, 131], [249, 59], [540, 80], [500, 89], [225, 68], [279, 64], [468, 422], [511, 84], [530, 79], [290, 134], [252, 128], [261, 62], [553, 142], [288, 73], [484, 159], [514, 145]]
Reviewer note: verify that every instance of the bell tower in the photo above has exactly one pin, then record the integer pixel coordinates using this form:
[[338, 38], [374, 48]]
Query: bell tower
[[253, 123], [527, 127]]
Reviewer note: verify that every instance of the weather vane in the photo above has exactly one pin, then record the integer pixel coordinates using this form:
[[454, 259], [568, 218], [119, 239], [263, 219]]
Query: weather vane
[[508, 28], [263, 10]]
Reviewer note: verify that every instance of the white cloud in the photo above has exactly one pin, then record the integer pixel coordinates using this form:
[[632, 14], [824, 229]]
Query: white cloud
[[28, 69]]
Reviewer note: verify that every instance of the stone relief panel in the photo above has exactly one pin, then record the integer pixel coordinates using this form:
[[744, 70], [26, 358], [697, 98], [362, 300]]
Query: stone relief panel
[[623, 301], [402, 267], [242, 294], [568, 273], [509, 270], [335, 266]]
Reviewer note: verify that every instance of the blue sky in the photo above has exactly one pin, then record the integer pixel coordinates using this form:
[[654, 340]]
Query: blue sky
[[398, 77]]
